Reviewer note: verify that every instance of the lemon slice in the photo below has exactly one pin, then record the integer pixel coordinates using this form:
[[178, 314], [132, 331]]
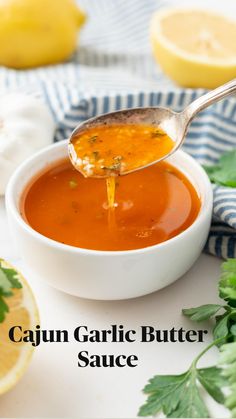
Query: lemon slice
[[195, 48], [14, 357]]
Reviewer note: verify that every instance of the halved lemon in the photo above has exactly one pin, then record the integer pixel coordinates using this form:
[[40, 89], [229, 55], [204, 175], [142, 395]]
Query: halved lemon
[[194, 47], [15, 357]]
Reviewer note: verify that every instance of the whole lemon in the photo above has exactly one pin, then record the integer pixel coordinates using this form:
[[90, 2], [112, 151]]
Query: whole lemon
[[38, 32]]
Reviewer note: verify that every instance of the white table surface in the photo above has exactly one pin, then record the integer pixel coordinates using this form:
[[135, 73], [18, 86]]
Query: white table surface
[[55, 387]]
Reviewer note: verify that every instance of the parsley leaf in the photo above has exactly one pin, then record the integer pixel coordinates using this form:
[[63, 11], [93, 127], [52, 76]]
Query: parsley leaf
[[221, 329], [227, 284], [205, 312], [5, 284], [3, 309], [192, 404], [224, 173], [233, 330], [178, 396], [228, 363], [12, 276], [164, 392], [8, 281], [213, 381]]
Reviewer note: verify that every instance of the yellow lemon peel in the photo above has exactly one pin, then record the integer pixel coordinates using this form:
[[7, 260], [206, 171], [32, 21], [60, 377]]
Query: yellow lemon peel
[[15, 357], [194, 47]]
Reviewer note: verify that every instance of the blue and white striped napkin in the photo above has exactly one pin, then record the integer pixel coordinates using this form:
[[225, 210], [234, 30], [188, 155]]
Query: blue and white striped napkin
[[114, 69]]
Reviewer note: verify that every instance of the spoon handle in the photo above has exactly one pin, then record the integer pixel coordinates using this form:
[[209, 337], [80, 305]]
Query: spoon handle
[[208, 99]]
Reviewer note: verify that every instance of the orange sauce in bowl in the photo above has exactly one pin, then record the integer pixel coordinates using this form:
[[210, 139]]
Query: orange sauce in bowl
[[151, 206]]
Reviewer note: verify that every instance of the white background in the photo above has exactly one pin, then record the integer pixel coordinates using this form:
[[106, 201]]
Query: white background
[[55, 387]]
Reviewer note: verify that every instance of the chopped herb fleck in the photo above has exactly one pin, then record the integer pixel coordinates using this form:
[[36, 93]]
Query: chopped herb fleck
[[93, 139], [73, 183], [96, 155], [158, 133], [115, 167], [118, 159]]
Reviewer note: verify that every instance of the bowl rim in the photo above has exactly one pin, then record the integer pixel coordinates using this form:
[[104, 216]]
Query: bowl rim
[[12, 208]]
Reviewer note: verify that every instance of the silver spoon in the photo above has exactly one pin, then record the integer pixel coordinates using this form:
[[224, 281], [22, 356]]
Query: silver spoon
[[175, 124]]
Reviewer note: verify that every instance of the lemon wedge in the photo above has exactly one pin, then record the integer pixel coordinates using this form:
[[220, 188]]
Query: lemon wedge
[[38, 32], [194, 47], [15, 357]]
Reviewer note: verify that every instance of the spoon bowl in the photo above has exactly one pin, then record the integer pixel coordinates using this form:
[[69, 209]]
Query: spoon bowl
[[174, 124], [156, 117]]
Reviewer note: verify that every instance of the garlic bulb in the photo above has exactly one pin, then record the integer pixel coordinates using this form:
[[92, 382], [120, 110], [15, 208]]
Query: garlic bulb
[[26, 125]]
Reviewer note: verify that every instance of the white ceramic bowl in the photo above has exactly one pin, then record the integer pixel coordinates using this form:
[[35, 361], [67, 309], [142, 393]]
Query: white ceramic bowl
[[107, 275]]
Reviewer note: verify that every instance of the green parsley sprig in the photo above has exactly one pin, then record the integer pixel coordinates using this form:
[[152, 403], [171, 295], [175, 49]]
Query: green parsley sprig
[[224, 172], [179, 396], [8, 282]]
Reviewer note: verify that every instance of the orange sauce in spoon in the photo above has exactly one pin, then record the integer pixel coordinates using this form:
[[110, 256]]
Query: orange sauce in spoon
[[112, 150]]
